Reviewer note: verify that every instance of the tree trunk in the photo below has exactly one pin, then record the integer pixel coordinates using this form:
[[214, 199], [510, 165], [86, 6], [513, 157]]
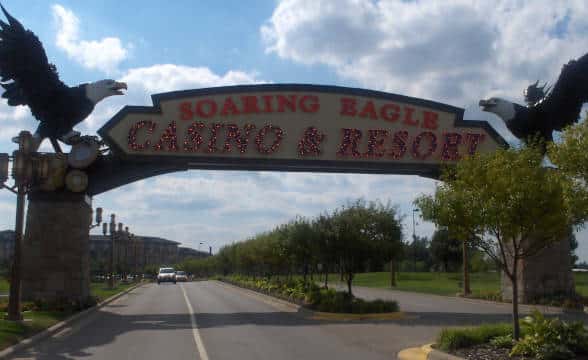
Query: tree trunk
[[349, 281], [516, 333], [392, 274], [466, 274], [326, 278]]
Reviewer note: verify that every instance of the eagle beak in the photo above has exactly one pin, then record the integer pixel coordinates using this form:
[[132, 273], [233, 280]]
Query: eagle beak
[[118, 87]]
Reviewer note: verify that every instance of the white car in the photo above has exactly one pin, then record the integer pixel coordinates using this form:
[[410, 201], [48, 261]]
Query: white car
[[166, 274], [181, 276]]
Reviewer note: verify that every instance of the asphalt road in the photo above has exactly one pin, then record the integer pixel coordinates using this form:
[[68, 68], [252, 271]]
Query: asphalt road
[[211, 320]]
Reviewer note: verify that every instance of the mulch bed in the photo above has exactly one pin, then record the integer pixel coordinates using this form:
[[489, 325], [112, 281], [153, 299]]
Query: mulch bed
[[485, 352], [488, 352]]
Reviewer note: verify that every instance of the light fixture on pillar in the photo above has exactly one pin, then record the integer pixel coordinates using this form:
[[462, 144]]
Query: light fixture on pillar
[[112, 228], [98, 219]]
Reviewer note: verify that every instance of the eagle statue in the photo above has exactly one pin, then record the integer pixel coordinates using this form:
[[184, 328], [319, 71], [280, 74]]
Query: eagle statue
[[29, 79], [546, 110]]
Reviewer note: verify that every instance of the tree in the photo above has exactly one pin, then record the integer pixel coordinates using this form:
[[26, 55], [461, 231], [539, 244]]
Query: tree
[[446, 250], [385, 232], [515, 206], [352, 246], [573, 246]]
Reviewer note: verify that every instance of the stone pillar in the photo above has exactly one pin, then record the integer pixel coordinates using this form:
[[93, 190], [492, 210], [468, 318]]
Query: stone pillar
[[548, 273], [56, 247]]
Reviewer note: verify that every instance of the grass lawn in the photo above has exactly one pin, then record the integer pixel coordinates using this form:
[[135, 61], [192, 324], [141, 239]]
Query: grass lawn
[[581, 283], [446, 283], [102, 292], [431, 283], [4, 286], [35, 321]]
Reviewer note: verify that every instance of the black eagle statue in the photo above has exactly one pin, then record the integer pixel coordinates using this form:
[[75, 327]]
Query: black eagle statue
[[546, 110], [29, 79]]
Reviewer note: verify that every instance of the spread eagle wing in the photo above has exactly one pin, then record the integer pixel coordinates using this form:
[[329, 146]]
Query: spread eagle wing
[[563, 104], [25, 73]]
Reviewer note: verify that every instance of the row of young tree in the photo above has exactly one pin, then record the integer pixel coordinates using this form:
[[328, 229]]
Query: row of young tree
[[357, 237]]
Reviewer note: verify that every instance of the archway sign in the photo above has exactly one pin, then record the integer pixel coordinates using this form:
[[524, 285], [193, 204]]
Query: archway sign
[[290, 127]]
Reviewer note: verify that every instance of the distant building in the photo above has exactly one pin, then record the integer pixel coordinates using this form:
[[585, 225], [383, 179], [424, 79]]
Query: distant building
[[133, 253]]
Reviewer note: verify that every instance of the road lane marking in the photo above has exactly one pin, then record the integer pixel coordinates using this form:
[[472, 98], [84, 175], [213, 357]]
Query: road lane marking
[[199, 344]]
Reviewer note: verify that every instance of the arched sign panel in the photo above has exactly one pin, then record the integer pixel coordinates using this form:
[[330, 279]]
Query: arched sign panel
[[297, 128]]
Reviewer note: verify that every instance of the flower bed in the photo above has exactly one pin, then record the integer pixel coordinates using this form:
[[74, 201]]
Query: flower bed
[[312, 296], [541, 338]]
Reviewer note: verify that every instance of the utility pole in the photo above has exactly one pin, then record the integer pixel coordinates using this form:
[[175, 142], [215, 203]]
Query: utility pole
[[414, 247]]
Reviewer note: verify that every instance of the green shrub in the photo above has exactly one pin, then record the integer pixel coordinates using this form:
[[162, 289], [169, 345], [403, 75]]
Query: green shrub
[[551, 339], [504, 341], [325, 300], [452, 339]]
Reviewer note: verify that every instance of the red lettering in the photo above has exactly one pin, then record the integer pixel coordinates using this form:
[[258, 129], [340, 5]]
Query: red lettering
[[376, 140], [416, 145], [134, 130], [348, 106], [267, 101], [210, 108], [260, 139], [229, 108], [213, 137], [193, 138], [234, 135], [430, 120], [399, 144], [186, 111], [451, 146], [312, 107], [286, 102], [369, 110], [250, 104], [473, 141], [390, 112], [350, 143], [310, 143], [168, 138], [408, 120]]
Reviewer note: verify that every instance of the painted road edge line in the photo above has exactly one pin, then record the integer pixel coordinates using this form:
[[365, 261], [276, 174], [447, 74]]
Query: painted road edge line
[[28, 342], [197, 338]]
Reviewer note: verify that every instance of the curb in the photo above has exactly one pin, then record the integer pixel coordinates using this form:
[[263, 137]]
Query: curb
[[425, 352], [61, 325]]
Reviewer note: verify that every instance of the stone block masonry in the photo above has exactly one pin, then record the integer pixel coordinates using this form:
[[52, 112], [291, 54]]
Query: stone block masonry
[[56, 247]]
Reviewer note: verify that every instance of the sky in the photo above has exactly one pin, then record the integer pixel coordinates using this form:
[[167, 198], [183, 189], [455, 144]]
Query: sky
[[452, 51]]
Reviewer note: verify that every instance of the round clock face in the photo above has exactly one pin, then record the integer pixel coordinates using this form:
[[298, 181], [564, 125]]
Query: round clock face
[[82, 154]]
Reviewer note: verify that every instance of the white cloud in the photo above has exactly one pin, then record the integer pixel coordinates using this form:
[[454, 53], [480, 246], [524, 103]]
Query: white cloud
[[454, 51], [168, 77], [104, 54]]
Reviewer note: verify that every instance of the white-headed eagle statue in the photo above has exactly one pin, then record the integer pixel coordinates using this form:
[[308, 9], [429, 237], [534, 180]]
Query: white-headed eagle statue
[[546, 110], [29, 79]]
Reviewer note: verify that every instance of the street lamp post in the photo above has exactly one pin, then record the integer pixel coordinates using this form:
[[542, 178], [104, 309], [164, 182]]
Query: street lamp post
[[414, 246], [112, 229], [28, 168]]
